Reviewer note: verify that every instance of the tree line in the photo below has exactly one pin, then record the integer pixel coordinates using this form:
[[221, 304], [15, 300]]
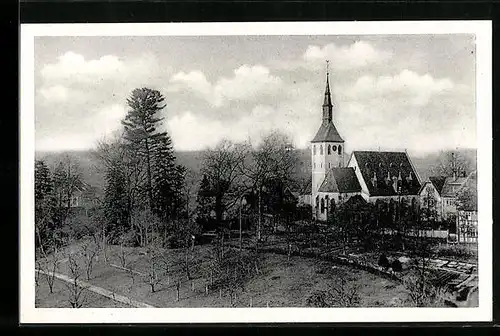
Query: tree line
[[148, 197]]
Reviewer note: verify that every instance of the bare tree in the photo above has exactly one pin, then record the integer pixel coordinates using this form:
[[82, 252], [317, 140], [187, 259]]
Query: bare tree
[[453, 163], [158, 267], [273, 160], [75, 288], [343, 293], [49, 266], [37, 274], [122, 257], [222, 167], [89, 252]]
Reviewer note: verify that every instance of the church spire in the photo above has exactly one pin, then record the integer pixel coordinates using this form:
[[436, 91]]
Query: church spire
[[327, 103]]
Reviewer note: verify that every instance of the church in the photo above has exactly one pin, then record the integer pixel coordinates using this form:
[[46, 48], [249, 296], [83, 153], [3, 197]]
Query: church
[[370, 175]]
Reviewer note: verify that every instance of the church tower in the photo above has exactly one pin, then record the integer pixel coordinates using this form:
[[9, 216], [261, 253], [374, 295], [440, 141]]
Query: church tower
[[327, 147]]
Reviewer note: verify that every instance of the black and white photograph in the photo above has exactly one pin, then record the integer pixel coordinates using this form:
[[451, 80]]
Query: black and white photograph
[[222, 166]]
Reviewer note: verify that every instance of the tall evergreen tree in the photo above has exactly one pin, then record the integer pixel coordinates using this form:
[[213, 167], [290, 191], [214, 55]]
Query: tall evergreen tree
[[116, 209], [43, 204], [43, 180], [141, 133], [164, 176]]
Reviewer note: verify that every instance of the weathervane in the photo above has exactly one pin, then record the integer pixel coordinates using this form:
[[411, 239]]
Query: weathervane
[[327, 67]]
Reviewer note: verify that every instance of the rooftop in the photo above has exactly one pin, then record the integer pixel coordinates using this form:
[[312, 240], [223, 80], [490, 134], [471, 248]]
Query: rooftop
[[386, 173], [341, 180]]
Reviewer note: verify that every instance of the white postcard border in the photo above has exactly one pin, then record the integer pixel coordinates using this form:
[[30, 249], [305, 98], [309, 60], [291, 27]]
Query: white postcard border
[[30, 314]]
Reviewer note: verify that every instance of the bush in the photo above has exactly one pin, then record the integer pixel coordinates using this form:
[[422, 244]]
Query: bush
[[383, 261], [396, 266]]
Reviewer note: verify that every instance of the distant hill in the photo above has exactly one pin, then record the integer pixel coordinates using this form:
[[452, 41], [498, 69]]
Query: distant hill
[[93, 173]]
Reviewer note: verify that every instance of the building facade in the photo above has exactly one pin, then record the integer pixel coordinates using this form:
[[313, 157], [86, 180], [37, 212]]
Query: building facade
[[371, 175]]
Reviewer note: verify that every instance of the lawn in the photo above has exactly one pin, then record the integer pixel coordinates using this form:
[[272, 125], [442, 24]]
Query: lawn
[[60, 297], [278, 283]]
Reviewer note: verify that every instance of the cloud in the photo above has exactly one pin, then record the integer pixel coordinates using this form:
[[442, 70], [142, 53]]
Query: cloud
[[407, 110], [79, 132], [408, 87], [74, 67], [357, 55], [192, 132], [246, 83], [88, 96], [55, 93]]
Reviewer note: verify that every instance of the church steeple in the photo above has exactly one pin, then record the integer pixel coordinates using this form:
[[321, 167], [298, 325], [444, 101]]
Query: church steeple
[[327, 103]]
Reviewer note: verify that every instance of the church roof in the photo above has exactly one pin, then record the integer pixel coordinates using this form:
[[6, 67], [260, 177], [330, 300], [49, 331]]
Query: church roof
[[385, 172], [341, 180], [327, 133]]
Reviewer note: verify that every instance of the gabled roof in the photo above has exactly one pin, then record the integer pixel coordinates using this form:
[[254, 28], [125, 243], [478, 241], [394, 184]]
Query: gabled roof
[[327, 133], [438, 182], [376, 167], [341, 180]]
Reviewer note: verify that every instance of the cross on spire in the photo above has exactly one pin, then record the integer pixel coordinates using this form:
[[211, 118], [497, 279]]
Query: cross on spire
[[328, 100]]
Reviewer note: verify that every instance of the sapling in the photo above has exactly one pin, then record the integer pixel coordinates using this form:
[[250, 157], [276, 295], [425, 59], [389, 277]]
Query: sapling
[[75, 288]]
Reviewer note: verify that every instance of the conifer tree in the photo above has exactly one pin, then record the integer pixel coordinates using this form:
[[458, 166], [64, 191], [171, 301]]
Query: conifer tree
[[141, 133], [116, 210], [43, 205], [164, 175]]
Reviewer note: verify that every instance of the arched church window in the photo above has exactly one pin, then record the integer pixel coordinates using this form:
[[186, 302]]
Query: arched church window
[[322, 205], [314, 149], [329, 165], [320, 149], [340, 150], [329, 149]]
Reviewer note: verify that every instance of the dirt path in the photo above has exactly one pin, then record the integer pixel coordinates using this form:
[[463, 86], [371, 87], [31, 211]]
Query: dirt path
[[102, 291]]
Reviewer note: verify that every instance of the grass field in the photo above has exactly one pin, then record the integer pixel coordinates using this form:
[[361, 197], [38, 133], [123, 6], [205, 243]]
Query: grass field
[[279, 283]]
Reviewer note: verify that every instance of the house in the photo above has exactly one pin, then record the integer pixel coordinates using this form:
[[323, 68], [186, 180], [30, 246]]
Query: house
[[430, 194], [304, 196], [467, 219], [442, 192], [84, 196]]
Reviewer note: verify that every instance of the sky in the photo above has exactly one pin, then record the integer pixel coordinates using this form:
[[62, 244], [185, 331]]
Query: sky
[[397, 92]]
